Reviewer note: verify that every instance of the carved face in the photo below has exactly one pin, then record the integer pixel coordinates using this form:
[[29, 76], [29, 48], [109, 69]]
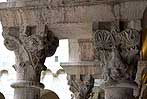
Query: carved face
[[10, 44], [10, 35]]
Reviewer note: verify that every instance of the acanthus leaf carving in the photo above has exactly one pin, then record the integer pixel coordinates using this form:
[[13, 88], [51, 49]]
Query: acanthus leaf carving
[[31, 48]]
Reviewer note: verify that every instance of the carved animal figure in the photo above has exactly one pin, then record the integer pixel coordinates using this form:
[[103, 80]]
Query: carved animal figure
[[118, 52]]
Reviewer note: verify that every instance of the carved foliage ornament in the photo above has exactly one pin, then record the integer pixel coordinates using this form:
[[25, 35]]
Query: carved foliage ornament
[[118, 52], [31, 48], [82, 89]]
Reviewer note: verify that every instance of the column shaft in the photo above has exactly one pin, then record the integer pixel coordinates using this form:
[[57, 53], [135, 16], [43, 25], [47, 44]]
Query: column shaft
[[119, 93], [27, 93]]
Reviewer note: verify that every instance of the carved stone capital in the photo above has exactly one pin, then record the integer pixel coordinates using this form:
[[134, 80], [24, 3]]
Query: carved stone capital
[[118, 52], [31, 47], [82, 88]]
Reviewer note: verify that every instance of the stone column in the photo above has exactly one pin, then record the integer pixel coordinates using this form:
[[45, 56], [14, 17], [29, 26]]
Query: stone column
[[119, 55], [119, 93], [31, 47]]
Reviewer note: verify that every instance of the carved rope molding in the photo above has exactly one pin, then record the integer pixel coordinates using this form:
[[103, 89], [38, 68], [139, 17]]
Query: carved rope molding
[[31, 49], [118, 52]]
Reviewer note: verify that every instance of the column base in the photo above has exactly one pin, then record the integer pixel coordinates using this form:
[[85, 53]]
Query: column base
[[27, 90], [119, 89]]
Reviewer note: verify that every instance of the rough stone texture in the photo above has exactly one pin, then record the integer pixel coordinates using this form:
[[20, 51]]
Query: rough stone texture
[[27, 93], [31, 47], [119, 55], [132, 10], [70, 19], [119, 93], [82, 68], [73, 14], [78, 77], [67, 19], [82, 87], [81, 50], [119, 63], [86, 50]]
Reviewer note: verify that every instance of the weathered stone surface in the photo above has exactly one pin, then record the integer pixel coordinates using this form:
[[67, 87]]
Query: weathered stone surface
[[118, 51], [78, 72], [86, 50], [82, 87], [82, 68], [132, 10], [61, 17], [70, 19], [31, 47], [119, 93], [81, 50]]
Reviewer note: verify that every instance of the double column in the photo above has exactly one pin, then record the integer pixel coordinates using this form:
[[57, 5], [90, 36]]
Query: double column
[[31, 47]]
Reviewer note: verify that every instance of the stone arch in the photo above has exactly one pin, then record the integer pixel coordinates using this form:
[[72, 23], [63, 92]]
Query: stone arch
[[48, 94]]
